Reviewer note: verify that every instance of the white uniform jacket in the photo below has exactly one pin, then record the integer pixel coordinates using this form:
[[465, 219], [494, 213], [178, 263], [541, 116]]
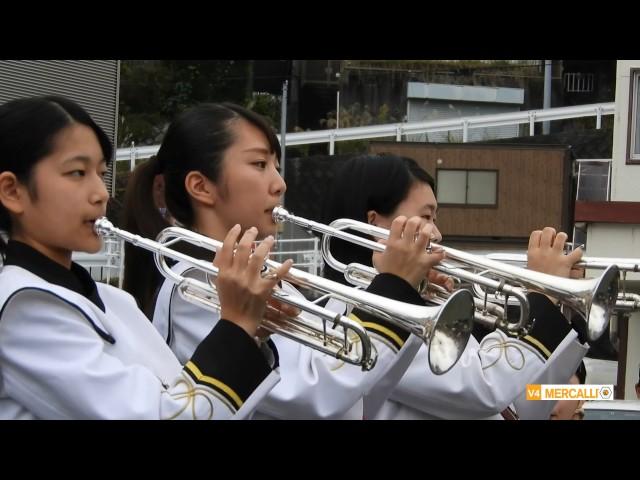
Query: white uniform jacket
[[314, 385], [94, 355], [492, 374]]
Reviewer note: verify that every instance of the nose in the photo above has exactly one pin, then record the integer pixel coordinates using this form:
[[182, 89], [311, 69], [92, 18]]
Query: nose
[[436, 236], [278, 185], [99, 193]]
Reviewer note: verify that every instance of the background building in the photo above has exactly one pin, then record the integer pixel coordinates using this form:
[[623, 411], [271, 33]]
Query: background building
[[94, 84]]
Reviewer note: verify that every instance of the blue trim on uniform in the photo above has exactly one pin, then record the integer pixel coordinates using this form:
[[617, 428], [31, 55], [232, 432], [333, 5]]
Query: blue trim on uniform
[[169, 338], [274, 350], [104, 335]]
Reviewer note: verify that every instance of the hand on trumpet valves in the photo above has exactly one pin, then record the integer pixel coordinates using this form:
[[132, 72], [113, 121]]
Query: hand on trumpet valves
[[546, 253], [277, 312], [445, 281], [406, 253], [242, 289]]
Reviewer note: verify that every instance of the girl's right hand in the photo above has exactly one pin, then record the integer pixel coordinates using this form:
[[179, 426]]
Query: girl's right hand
[[546, 253], [406, 250], [242, 290]]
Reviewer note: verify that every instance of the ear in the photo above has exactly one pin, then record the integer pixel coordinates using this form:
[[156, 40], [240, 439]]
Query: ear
[[12, 193], [200, 188], [372, 217]]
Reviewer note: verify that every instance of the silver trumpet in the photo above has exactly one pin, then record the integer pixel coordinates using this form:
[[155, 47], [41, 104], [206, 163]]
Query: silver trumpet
[[594, 299], [339, 344], [445, 328], [625, 302], [485, 313]]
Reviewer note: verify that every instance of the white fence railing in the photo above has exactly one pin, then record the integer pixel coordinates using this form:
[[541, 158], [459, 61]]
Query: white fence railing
[[305, 253], [108, 264], [397, 130]]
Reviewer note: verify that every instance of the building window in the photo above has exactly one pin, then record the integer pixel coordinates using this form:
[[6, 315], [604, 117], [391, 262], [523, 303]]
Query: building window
[[467, 187], [575, 82], [633, 134]]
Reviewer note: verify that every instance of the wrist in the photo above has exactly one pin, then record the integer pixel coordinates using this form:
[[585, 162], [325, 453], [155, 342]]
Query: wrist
[[249, 326]]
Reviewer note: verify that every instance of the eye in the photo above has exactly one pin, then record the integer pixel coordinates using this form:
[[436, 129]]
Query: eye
[[261, 164], [76, 173]]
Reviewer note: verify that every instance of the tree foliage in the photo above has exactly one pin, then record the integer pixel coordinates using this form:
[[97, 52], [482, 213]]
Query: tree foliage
[[152, 92]]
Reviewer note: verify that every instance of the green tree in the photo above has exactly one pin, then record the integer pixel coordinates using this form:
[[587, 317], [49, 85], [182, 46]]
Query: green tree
[[152, 92]]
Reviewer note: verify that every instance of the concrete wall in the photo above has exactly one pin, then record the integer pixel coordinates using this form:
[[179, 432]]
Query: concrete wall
[[625, 179], [619, 240]]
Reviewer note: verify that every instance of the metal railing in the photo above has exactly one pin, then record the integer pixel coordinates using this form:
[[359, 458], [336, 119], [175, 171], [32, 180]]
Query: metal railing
[[594, 179], [397, 130], [305, 253], [108, 264], [593, 185]]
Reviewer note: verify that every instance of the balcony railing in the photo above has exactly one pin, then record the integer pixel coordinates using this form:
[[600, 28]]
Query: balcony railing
[[397, 130]]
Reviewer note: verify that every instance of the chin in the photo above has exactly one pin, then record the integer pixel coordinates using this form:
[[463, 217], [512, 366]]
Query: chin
[[268, 230], [90, 246]]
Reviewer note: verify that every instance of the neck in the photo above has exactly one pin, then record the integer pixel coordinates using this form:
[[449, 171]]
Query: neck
[[210, 226], [61, 256]]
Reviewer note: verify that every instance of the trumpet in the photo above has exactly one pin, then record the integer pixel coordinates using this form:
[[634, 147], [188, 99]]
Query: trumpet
[[625, 302], [593, 299], [445, 329]]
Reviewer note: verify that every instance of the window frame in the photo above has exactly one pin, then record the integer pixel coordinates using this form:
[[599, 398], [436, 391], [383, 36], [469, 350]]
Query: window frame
[[469, 205], [633, 125]]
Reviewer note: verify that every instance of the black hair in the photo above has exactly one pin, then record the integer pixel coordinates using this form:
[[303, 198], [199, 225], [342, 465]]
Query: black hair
[[195, 141], [363, 183], [28, 129], [141, 277]]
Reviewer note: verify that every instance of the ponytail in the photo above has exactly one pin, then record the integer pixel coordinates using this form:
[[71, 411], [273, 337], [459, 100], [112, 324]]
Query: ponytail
[[141, 216]]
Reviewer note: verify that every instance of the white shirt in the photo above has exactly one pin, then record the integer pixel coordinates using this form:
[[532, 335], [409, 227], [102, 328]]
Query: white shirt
[[314, 385], [56, 363], [489, 377]]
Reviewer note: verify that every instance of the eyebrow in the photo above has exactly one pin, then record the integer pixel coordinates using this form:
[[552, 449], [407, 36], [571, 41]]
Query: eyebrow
[[258, 149], [83, 159], [265, 151]]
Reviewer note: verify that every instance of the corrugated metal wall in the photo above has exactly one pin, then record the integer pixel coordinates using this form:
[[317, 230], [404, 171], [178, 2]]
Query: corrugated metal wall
[[94, 84], [427, 110]]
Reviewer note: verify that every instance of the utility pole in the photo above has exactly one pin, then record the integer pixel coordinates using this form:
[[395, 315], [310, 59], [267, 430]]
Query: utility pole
[[547, 94], [338, 102]]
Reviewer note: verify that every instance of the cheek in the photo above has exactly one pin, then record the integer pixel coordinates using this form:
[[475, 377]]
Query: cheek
[[384, 222]]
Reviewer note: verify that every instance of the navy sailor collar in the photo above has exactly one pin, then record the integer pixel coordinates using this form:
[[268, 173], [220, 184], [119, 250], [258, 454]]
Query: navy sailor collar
[[76, 279]]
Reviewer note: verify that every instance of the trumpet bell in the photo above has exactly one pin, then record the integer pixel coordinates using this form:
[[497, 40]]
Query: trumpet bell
[[451, 332], [603, 303]]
